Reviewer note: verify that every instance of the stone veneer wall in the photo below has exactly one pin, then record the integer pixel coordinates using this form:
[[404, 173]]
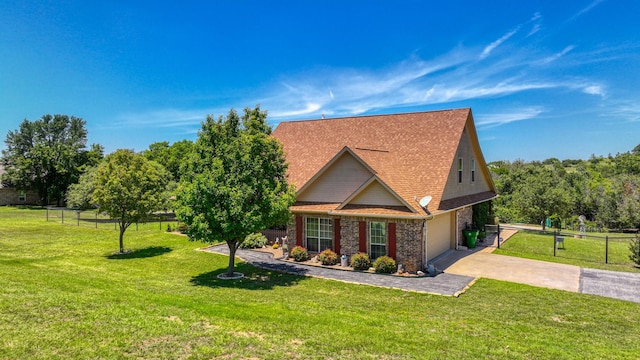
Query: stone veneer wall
[[291, 233], [465, 218]]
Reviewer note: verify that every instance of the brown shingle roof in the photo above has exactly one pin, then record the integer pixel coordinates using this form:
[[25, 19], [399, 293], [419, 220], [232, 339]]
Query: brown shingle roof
[[412, 153]]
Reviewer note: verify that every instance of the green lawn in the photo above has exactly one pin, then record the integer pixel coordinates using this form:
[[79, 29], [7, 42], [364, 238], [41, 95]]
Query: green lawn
[[64, 295], [587, 252]]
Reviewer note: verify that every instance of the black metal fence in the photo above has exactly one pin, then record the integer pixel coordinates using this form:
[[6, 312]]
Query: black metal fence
[[97, 220], [586, 246]]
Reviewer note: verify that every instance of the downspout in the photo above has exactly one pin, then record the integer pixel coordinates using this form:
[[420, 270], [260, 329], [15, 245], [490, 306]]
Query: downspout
[[426, 257], [456, 229]]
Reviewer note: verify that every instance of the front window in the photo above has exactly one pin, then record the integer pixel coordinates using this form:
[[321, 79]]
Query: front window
[[22, 196], [377, 239], [459, 170], [319, 234]]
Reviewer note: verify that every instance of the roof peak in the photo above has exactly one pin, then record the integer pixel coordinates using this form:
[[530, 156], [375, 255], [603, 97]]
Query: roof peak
[[323, 118]]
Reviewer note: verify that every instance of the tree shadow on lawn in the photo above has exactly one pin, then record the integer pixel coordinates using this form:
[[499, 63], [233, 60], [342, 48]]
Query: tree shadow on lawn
[[254, 278], [141, 253]]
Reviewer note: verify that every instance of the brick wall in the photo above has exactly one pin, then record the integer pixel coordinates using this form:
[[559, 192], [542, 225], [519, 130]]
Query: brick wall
[[409, 244], [9, 196], [349, 235], [409, 238]]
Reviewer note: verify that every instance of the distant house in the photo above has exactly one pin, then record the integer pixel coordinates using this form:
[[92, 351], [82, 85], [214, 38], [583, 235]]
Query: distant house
[[360, 182], [12, 196]]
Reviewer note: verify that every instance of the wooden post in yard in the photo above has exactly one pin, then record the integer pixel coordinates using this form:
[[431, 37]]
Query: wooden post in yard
[[555, 243]]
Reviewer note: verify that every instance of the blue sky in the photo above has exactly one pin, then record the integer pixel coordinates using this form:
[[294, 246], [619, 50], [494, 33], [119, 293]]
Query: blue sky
[[543, 78]]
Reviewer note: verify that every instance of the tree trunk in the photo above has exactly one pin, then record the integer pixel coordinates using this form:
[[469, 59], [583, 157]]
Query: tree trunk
[[122, 229], [232, 244]]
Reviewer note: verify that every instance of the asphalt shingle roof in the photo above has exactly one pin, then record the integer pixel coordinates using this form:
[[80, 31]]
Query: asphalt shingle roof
[[411, 153]]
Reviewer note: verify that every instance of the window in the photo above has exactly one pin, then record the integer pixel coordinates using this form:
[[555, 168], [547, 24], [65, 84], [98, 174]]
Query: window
[[319, 234], [377, 239], [459, 170], [473, 170], [22, 196]]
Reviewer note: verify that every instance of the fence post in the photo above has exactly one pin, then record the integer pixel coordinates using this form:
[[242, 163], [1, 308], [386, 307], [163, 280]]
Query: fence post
[[47, 213], [62, 212], [78, 212], [96, 220], [555, 242], [498, 239], [606, 251], [136, 226]]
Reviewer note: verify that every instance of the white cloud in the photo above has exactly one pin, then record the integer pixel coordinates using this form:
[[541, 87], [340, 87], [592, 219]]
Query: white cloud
[[585, 9], [491, 120], [489, 48], [309, 108], [453, 77], [556, 56], [594, 90]]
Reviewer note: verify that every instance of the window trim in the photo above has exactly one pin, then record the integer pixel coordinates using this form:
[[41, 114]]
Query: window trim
[[370, 238], [319, 238]]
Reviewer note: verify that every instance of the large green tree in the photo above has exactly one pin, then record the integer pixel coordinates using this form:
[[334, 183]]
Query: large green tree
[[172, 157], [79, 195], [48, 155], [235, 182], [532, 192], [129, 188]]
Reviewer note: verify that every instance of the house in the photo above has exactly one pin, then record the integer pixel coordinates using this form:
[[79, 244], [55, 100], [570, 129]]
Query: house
[[12, 196], [401, 185]]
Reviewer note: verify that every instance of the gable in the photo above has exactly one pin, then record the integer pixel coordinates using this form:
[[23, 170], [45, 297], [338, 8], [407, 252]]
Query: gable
[[337, 182], [473, 181], [376, 194]]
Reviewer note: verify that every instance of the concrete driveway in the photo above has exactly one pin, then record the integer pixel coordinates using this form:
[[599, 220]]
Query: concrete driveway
[[482, 263], [518, 270]]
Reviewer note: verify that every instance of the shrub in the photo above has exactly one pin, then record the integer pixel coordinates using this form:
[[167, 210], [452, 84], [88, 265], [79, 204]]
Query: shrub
[[169, 228], [328, 257], [275, 246], [385, 265], [360, 261], [183, 228], [299, 253], [255, 240]]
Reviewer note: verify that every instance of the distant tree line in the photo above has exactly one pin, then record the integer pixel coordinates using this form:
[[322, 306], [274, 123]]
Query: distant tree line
[[606, 190]]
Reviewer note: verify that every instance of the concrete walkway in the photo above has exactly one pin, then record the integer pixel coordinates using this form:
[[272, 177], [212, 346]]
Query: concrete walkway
[[442, 284]]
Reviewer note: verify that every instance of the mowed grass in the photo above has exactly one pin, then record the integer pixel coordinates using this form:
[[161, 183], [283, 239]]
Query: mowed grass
[[589, 252], [64, 295]]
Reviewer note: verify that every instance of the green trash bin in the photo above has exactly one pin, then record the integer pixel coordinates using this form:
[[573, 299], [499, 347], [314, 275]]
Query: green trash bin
[[471, 236]]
